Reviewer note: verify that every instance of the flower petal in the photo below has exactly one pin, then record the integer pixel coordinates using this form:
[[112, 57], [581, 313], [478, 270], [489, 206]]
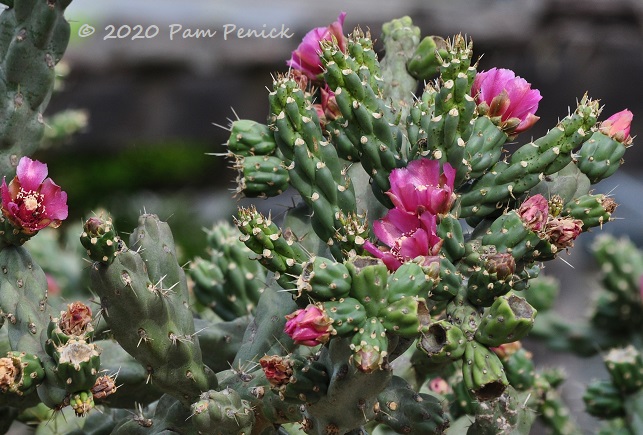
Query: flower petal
[[31, 173]]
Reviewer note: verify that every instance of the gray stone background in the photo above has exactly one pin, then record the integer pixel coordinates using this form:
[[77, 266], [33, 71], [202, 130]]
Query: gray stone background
[[158, 89]]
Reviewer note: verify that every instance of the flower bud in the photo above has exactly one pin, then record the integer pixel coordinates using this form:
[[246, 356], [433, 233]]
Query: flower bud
[[310, 326], [618, 125]]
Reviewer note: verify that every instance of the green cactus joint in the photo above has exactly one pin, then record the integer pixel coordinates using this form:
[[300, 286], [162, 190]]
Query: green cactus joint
[[625, 367]]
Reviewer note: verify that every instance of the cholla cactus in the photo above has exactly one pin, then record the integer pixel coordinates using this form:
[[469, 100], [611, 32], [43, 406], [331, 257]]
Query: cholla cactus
[[396, 282]]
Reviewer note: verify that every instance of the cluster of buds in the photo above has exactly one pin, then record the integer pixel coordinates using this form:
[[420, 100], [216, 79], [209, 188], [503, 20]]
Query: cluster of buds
[[559, 231]]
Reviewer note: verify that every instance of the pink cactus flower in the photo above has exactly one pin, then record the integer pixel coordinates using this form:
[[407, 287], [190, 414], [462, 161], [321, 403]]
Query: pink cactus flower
[[562, 232], [534, 212], [507, 96], [618, 126], [407, 236], [306, 57], [310, 326], [32, 201], [439, 386], [421, 187]]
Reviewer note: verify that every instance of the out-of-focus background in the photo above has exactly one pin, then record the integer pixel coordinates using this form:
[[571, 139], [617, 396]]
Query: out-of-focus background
[[152, 101]]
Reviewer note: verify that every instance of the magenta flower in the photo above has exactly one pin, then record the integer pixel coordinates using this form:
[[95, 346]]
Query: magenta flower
[[507, 96], [310, 326], [32, 201], [534, 212], [618, 125], [407, 236], [306, 57], [421, 187]]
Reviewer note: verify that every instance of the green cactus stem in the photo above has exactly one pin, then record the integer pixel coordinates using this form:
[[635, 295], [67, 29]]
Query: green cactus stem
[[280, 254], [405, 411], [222, 413], [324, 279], [34, 36], [260, 176], [530, 163], [602, 399], [442, 341], [483, 372], [100, 240], [510, 318], [593, 210], [229, 282], [312, 163], [425, 62], [23, 302], [601, 155], [144, 298], [250, 138], [370, 125], [625, 367], [400, 38]]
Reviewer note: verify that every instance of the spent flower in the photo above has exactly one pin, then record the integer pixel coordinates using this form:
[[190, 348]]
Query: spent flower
[[562, 231], [278, 370], [32, 201], [534, 212]]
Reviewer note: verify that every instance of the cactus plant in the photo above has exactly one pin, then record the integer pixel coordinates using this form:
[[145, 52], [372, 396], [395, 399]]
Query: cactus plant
[[390, 298]]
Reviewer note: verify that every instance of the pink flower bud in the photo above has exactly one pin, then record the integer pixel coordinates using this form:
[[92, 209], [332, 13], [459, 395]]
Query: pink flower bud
[[310, 326], [32, 201], [534, 212], [420, 187], [618, 125], [562, 232], [306, 57], [507, 97]]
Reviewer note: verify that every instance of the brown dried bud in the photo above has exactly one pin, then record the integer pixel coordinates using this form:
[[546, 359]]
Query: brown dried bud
[[76, 321], [502, 264], [10, 373], [278, 370], [103, 387], [562, 232]]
